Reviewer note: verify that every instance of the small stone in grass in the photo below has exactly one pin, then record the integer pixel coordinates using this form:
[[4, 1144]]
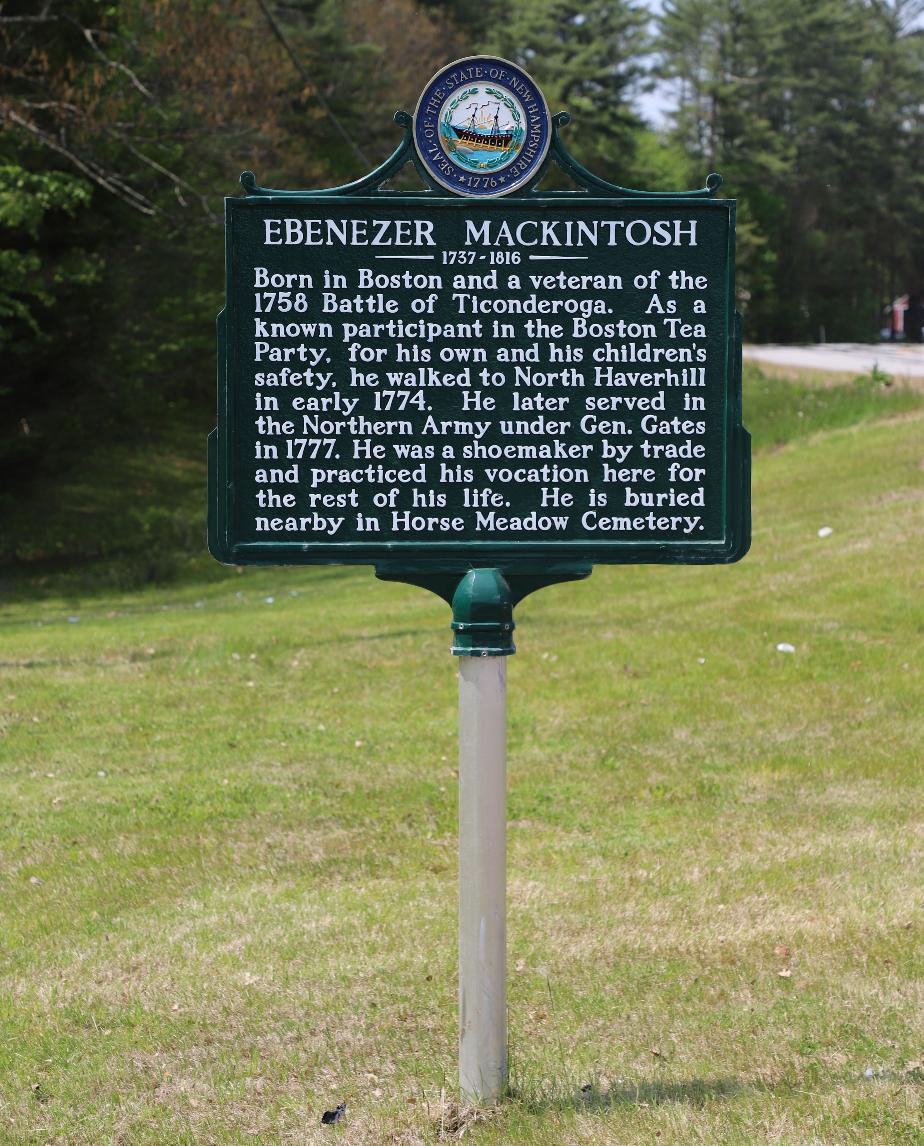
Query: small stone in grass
[[269, 600], [72, 620], [785, 647], [700, 660], [825, 531], [101, 772]]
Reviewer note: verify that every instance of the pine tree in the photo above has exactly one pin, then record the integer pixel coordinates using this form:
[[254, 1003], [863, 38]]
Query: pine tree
[[811, 111], [588, 59]]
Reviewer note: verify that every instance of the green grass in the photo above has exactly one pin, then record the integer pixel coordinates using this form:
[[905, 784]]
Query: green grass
[[782, 409], [228, 839]]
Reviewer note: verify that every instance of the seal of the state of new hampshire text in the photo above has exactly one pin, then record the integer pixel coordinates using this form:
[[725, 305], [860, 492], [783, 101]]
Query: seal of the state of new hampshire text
[[482, 127]]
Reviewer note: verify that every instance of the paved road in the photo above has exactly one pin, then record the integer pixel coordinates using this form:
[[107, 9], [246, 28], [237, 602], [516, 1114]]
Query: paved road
[[898, 359]]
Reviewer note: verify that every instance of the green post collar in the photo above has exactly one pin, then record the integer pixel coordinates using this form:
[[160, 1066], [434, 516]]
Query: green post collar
[[482, 615]]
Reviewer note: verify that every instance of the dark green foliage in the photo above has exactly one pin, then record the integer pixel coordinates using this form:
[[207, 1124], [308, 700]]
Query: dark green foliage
[[122, 126], [810, 109], [588, 58], [44, 270]]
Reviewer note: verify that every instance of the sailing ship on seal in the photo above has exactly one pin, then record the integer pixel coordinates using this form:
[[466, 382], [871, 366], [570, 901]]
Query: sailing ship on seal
[[481, 133]]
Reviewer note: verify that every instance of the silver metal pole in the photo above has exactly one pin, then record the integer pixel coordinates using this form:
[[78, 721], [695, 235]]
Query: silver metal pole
[[482, 876]]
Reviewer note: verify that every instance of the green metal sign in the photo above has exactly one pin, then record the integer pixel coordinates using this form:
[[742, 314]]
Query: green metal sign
[[431, 383]]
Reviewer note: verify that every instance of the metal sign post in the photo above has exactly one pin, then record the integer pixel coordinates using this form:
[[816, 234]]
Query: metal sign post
[[483, 626], [482, 877], [480, 388]]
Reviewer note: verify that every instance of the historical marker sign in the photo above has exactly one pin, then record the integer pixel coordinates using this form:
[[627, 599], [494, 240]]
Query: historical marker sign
[[480, 389], [482, 380]]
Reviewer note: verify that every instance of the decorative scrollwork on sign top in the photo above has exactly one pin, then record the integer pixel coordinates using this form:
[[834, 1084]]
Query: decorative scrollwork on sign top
[[404, 153], [580, 175]]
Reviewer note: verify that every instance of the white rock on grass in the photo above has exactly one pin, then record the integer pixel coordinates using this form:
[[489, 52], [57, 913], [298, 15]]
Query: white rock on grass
[[825, 531], [785, 647]]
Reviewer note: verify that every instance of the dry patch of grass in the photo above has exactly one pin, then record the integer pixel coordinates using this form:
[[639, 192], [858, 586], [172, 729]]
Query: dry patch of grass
[[829, 379]]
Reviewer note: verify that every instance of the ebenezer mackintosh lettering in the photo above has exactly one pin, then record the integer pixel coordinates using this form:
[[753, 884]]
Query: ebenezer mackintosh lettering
[[525, 233]]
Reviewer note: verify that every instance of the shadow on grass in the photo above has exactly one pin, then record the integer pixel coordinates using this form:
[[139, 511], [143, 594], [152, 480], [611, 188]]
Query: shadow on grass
[[210, 579], [695, 1092]]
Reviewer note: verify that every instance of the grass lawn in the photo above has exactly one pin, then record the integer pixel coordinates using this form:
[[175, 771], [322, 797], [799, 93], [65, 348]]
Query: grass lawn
[[228, 837]]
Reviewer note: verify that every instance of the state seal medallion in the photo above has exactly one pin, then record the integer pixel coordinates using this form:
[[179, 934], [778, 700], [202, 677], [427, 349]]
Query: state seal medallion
[[482, 127]]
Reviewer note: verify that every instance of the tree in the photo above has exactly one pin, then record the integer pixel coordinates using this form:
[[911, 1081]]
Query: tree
[[122, 126], [810, 109], [588, 59]]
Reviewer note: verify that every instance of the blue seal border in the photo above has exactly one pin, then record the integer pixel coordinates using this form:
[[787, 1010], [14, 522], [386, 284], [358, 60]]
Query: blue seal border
[[439, 167]]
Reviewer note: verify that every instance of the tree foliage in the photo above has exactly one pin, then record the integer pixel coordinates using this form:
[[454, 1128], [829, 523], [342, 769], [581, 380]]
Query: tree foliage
[[811, 109], [588, 57], [123, 124]]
